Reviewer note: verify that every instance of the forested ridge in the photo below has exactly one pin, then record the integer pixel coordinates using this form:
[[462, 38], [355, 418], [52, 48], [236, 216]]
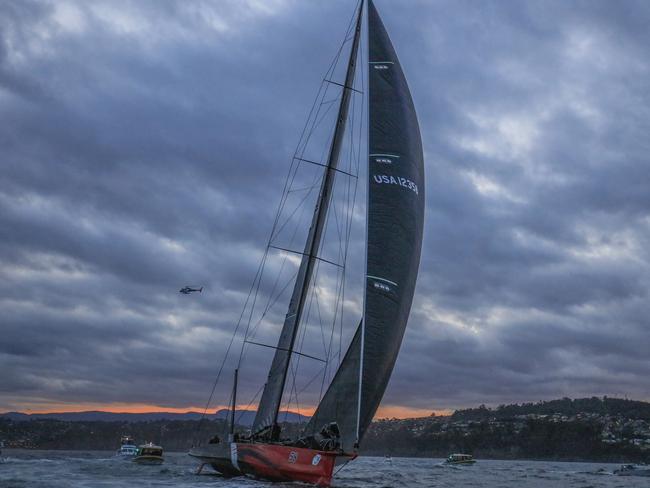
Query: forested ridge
[[597, 429]]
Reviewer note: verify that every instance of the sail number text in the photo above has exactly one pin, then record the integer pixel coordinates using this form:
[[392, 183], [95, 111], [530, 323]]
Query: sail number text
[[392, 180]]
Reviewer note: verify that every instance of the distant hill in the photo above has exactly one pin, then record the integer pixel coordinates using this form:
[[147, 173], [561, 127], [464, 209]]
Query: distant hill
[[584, 429], [244, 417], [631, 409]]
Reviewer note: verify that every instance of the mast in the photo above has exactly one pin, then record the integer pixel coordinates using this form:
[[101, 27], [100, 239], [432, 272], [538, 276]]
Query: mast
[[267, 412]]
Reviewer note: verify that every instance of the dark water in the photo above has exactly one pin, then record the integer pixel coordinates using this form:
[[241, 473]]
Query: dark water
[[77, 469]]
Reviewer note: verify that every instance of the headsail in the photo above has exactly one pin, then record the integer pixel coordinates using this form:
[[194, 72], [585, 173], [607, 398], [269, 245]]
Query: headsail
[[267, 411], [395, 216]]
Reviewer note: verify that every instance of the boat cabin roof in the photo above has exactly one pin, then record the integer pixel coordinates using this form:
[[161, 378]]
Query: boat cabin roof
[[150, 450], [460, 456]]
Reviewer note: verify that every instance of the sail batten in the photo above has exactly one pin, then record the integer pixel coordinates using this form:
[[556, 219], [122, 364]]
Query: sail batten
[[395, 216]]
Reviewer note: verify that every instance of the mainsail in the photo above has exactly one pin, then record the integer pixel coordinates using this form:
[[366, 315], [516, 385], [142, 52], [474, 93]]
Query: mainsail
[[395, 216]]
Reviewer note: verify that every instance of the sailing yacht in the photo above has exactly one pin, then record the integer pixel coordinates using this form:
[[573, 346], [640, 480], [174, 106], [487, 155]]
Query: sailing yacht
[[394, 226]]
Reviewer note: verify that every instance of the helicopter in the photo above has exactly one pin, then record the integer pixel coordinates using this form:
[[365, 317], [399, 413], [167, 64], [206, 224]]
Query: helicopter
[[187, 290]]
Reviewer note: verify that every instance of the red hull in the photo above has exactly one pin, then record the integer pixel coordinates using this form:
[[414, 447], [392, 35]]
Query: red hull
[[284, 463]]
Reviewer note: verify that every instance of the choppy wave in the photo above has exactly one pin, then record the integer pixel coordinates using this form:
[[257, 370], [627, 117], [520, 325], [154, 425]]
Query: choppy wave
[[74, 469]]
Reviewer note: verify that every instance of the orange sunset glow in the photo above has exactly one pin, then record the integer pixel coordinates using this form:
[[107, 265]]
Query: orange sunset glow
[[110, 407], [388, 411]]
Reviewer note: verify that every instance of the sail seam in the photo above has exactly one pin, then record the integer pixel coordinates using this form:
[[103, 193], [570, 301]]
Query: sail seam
[[382, 279]]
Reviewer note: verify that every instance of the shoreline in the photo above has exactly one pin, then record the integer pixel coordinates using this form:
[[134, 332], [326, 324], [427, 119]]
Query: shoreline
[[7, 450]]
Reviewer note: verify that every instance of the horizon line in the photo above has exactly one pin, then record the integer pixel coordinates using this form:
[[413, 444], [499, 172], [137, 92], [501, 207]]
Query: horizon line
[[389, 411]]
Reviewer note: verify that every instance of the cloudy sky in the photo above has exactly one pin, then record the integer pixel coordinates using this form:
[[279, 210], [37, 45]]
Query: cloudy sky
[[143, 147]]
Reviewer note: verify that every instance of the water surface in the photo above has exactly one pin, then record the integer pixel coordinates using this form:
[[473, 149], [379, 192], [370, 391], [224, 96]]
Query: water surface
[[99, 469]]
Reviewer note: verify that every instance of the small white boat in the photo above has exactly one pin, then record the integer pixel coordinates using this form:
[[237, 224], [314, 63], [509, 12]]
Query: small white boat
[[127, 449], [633, 470], [460, 459]]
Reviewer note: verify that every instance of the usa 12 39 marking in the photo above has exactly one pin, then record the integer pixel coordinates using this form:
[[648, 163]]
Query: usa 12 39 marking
[[392, 180]]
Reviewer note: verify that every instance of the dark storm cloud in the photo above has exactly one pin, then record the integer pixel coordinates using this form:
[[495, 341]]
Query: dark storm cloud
[[144, 146], [536, 273]]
